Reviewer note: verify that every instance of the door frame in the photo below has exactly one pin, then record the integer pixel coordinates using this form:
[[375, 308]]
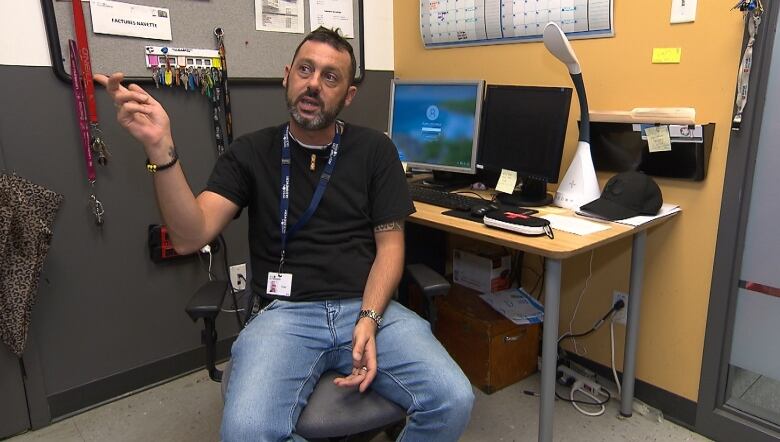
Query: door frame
[[714, 418]]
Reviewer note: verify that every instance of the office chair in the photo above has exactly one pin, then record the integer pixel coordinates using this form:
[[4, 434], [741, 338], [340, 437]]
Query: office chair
[[331, 412]]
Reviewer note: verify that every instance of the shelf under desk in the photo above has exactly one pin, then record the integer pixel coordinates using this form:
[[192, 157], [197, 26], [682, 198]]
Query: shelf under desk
[[565, 245]]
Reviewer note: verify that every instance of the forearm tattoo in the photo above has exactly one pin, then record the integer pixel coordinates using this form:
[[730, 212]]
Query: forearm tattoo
[[389, 227]]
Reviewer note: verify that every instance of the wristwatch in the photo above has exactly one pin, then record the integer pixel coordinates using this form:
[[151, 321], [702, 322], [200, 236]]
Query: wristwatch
[[370, 314]]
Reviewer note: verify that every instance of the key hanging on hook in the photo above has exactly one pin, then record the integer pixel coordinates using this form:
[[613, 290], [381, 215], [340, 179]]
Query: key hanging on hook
[[168, 78], [156, 76], [98, 146], [97, 209]]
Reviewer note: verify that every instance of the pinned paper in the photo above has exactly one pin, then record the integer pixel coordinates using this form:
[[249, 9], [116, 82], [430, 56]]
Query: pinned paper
[[658, 139], [333, 14], [686, 133], [507, 181], [667, 55], [117, 18]]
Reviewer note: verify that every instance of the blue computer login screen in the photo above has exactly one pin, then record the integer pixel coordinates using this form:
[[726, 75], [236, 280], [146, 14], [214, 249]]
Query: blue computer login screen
[[435, 123]]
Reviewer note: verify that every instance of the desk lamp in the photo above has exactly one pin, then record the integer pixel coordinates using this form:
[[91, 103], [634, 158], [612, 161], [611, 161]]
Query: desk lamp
[[579, 185]]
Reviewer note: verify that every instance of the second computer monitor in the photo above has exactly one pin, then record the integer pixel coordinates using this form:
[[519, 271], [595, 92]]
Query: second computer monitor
[[523, 129], [435, 124]]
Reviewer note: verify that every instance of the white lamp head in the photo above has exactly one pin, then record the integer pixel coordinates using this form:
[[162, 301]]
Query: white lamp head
[[556, 42]]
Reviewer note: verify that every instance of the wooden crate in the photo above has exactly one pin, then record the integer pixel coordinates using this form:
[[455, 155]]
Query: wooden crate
[[492, 351]]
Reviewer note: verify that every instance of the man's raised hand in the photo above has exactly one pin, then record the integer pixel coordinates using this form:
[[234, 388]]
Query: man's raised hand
[[139, 113]]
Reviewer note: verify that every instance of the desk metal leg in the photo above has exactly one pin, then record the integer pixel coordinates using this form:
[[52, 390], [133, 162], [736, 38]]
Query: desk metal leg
[[552, 298], [632, 324]]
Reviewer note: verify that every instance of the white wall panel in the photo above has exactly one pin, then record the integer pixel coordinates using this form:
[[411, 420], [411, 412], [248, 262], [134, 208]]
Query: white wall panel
[[24, 35], [378, 23]]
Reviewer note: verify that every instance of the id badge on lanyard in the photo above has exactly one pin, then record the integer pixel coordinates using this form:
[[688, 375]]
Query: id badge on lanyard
[[279, 283]]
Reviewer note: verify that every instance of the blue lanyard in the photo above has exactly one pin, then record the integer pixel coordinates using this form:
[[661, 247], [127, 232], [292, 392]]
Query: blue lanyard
[[284, 204]]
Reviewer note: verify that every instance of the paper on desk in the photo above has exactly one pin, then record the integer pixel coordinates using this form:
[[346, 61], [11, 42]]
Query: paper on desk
[[665, 210], [574, 225], [516, 305]]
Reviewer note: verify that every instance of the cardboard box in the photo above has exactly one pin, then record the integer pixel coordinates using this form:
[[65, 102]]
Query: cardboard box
[[491, 350], [485, 272]]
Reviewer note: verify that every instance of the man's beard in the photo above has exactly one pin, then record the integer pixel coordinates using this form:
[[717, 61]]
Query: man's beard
[[322, 119]]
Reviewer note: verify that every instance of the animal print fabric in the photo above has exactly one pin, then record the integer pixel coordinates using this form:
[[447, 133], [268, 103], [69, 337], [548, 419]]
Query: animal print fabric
[[27, 212]]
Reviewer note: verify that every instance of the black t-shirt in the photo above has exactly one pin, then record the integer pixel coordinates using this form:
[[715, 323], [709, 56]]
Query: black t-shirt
[[329, 257]]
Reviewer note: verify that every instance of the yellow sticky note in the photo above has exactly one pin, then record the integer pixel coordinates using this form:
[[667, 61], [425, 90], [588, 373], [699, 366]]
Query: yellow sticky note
[[667, 55], [658, 139], [507, 181], [217, 63]]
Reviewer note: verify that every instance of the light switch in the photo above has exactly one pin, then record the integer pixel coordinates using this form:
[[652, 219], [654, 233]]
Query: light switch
[[683, 11]]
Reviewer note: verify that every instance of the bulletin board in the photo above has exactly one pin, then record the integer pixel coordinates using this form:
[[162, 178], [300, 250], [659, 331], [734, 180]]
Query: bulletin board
[[252, 56]]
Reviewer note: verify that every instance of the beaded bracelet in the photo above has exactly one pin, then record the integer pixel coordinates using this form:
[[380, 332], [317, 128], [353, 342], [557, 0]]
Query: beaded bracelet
[[153, 168]]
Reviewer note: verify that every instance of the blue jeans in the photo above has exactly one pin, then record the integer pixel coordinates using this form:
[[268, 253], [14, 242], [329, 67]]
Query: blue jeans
[[278, 358]]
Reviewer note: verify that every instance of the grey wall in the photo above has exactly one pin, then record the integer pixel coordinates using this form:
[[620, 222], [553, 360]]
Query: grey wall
[[104, 310]]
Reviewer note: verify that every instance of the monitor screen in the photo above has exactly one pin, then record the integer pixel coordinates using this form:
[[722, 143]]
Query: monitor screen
[[435, 124], [523, 129]]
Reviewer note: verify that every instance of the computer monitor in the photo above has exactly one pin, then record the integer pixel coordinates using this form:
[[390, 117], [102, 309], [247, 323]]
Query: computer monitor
[[523, 129], [435, 126]]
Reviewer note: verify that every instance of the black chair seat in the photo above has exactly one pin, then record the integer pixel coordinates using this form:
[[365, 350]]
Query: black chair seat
[[331, 412], [335, 412]]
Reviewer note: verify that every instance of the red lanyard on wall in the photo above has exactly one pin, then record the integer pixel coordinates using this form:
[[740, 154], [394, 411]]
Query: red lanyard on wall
[[96, 141], [81, 113]]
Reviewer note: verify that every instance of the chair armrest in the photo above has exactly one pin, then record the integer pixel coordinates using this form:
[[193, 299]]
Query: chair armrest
[[207, 301], [205, 304], [431, 283]]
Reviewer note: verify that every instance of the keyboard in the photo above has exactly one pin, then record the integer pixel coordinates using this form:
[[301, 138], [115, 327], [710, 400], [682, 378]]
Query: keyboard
[[443, 199]]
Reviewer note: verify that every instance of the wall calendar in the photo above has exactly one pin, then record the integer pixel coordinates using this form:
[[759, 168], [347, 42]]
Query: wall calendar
[[445, 23]]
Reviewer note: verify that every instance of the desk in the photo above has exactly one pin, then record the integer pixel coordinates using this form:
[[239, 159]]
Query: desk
[[564, 245]]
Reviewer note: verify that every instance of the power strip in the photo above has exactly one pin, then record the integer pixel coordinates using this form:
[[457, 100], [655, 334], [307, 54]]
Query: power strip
[[569, 376]]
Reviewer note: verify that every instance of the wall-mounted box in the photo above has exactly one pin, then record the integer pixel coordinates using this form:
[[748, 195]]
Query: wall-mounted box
[[620, 147]]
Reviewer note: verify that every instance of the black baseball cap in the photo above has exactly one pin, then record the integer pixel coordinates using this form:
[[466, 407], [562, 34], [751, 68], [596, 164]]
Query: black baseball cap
[[625, 195]]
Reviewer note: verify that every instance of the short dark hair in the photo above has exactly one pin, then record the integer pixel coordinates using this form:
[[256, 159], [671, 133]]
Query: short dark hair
[[333, 38]]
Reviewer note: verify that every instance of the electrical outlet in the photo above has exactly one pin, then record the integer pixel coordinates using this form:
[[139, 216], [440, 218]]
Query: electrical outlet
[[238, 283], [683, 11], [620, 315]]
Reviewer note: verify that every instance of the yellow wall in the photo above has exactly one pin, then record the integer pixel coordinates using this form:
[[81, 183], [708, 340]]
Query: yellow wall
[[618, 75]]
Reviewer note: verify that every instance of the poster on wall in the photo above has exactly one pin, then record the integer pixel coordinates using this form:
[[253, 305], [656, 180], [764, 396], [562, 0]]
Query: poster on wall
[[446, 23]]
